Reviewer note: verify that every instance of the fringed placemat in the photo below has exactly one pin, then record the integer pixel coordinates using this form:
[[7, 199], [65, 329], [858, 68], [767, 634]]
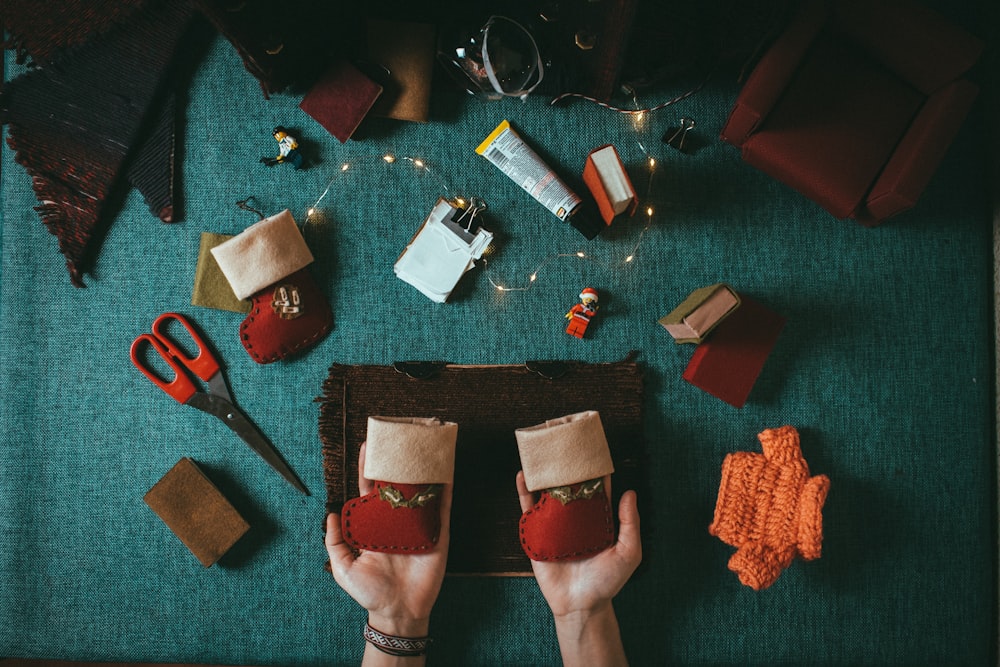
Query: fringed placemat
[[488, 403]]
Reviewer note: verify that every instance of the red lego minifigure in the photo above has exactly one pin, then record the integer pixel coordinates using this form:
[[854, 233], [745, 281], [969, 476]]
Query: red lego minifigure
[[580, 314]]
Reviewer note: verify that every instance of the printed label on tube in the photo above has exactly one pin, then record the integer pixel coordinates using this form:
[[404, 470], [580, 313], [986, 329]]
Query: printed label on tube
[[508, 152]]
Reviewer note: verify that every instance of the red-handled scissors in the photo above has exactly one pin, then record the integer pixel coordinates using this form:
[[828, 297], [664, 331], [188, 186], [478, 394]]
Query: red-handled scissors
[[217, 401]]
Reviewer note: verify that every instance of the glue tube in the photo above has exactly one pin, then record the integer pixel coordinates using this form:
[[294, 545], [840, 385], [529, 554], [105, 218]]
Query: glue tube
[[511, 155]]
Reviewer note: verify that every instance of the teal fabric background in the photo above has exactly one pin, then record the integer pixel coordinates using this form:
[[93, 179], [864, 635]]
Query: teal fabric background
[[885, 366]]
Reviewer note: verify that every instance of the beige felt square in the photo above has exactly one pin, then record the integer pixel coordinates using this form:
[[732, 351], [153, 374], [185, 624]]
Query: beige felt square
[[262, 254], [410, 450], [196, 511], [564, 451]]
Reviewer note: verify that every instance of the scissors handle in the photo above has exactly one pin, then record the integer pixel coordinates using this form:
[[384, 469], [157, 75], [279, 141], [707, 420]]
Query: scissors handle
[[181, 388], [203, 364]]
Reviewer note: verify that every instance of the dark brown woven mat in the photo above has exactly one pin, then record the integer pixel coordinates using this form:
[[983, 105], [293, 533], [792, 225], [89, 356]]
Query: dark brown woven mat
[[488, 403]]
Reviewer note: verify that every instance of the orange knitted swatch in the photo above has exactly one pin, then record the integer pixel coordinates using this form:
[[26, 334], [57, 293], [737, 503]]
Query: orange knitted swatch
[[769, 508]]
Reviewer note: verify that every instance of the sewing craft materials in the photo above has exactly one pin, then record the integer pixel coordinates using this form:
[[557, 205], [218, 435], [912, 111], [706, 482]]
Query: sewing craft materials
[[700, 312], [211, 289], [268, 263], [580, 314], [196, 511], [485, 514], [73, 123], [506, 151], [200, 363], [566, 460], [404, 53], [341, 99], [409, 460], [445, 247], [728, 363], [770, 508], [608, 182]]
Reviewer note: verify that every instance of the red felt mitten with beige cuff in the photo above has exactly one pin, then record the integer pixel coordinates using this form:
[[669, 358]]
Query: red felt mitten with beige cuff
[[566, 460], [266, 263], [409, 460]]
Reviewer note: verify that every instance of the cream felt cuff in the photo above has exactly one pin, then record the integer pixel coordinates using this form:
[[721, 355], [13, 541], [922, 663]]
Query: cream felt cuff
[[564, 451], [410, 450], [263, 254]]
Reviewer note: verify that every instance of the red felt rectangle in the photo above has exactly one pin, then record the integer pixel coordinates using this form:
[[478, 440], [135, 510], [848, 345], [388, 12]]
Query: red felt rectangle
[[341, 99], [728, 363]]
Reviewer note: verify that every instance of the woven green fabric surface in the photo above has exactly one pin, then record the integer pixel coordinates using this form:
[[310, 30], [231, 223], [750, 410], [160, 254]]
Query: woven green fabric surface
[[885, 366]]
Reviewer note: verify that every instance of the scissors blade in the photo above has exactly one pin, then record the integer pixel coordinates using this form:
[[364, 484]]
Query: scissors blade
[[241, 425]]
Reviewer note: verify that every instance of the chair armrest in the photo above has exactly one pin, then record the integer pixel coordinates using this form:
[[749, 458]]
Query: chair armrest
[[915, 42], [774, 71], [919, 153]]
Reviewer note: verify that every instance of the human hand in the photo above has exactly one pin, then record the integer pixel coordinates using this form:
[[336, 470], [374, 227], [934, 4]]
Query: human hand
[[579, 592], [398, 590]]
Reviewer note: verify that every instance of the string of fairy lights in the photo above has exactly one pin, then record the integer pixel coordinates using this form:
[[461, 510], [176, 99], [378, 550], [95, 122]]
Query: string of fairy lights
[[617, 259]]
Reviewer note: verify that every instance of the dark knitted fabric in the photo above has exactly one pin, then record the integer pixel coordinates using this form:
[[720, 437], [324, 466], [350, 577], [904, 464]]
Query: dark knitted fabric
[[72, 124], [41, 30], [151, 168]]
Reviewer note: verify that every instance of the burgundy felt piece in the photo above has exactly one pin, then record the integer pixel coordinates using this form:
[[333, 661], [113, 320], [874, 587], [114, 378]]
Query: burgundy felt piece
[[268, 337], [373, 524], [552, 531], [340, 99], [835, 127], [728, 363]]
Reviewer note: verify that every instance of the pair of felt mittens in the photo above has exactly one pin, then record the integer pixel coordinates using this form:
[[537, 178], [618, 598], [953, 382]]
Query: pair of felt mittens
[[409, 460], [267, 264]]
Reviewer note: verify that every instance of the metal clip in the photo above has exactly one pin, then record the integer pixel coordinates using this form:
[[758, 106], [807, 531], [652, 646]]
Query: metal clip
[[550, 370], [470, 210], [419, 370], [676, 136]]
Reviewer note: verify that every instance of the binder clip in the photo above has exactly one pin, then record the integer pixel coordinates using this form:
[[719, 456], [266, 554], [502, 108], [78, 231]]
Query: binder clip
[[445, 247], [678, 138]]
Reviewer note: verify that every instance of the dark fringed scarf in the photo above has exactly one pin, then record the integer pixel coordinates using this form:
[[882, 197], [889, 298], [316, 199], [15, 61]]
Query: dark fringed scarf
[[98, 107], [74, 121]]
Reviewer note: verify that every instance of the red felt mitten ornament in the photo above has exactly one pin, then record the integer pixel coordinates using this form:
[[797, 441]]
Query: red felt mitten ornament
[[566, 459], [266, 263], [409, 460]]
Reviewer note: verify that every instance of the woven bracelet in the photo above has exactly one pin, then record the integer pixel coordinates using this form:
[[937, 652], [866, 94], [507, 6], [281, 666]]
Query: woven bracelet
[[403, 647]]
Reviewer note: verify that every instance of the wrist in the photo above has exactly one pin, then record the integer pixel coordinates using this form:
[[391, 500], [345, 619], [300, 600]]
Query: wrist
[[591, 637], [576, 621], [399, 625]]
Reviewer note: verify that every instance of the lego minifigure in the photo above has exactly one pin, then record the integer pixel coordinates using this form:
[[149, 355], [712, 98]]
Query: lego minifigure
[[288, 150], [579, 315]]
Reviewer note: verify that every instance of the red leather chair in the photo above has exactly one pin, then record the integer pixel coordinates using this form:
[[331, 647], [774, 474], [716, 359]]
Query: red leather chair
[[855, 104]]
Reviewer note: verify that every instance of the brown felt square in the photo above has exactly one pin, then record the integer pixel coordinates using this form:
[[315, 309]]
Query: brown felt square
[[196, 511]]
